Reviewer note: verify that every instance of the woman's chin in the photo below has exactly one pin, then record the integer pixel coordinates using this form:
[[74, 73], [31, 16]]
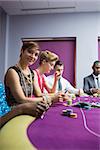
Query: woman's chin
[[30, 64], [48, 71]]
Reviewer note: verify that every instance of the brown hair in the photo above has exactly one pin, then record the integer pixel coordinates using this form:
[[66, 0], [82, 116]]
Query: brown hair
[[96, 63], [29, 45], [59, 63], [48, 56]]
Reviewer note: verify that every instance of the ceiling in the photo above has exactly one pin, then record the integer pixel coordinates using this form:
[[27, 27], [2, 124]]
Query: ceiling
[[24, 7]]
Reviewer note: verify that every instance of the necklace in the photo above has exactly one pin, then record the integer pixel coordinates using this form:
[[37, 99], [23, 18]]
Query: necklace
[[29, 80]]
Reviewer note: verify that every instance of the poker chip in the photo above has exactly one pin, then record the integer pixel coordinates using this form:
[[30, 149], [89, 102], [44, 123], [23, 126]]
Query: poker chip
[[73, 115], [67, 112]]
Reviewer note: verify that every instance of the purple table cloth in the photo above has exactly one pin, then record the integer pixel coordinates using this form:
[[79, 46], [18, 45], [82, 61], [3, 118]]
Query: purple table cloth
[[57, 132]]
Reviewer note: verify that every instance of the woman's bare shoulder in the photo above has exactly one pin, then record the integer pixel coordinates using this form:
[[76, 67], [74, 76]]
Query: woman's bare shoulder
[[11, 72], [11, 75]]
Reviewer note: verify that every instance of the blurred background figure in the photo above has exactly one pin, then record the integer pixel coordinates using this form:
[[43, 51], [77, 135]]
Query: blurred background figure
[[91, 83], [62, 83]]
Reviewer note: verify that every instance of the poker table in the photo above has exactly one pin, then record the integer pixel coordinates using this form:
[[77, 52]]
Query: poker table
[[55, 131]]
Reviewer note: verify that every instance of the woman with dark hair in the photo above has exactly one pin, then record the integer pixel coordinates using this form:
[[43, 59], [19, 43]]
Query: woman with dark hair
[[19, 90]]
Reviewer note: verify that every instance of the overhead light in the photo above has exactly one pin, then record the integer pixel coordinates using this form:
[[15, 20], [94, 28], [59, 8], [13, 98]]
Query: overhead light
[[55, 8]]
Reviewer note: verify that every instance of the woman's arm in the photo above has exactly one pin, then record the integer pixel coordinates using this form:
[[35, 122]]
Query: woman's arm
[[44, 84], [53, 89], [36, 86], [50, 90], [50, 96]]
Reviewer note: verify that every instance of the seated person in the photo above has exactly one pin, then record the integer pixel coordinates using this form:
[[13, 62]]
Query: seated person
[[46, 64], [62, 83], [19, 90], [91, 83]]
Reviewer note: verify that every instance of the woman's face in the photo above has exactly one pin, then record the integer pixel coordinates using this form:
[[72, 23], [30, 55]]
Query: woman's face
[[48, 66], [29, 56]]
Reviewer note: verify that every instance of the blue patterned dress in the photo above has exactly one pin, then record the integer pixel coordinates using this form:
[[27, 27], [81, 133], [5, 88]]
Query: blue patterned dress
[[4, 108]]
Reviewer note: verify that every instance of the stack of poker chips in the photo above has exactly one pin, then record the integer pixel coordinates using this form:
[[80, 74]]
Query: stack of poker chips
[[84, 105], [69, 113], [69, 102]]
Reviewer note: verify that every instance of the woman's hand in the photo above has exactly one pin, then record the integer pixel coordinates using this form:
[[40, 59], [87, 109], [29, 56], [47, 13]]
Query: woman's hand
[[66, 97], [57, 97]]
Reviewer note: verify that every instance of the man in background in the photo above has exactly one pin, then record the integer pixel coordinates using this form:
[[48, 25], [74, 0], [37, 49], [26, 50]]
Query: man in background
[[62, 84], [91, 83]]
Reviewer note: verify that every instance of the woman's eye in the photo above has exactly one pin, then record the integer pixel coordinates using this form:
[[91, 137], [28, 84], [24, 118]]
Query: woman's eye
[[36, 54], [33, 52], [29, 51]]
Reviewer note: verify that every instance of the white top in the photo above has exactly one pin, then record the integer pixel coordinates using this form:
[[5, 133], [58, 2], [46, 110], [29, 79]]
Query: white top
[[66, 86]]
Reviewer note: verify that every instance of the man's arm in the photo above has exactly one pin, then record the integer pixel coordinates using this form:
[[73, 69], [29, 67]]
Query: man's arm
[[70, 88]]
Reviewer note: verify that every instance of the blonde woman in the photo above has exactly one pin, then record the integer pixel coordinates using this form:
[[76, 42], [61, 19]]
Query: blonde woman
[[46, 64]]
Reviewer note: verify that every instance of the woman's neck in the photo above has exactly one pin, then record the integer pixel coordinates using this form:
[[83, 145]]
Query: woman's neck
[[40, 70], [22, 65], [24, 68]]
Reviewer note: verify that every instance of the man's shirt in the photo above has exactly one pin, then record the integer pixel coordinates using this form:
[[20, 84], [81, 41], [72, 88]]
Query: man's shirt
[[97, 81], [66, 86]]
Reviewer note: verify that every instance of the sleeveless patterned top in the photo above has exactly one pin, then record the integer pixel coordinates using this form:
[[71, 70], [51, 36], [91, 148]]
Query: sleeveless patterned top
[[10, 98]]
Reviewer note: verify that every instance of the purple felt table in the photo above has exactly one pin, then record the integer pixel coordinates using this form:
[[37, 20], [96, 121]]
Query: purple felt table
[[57, 132]]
